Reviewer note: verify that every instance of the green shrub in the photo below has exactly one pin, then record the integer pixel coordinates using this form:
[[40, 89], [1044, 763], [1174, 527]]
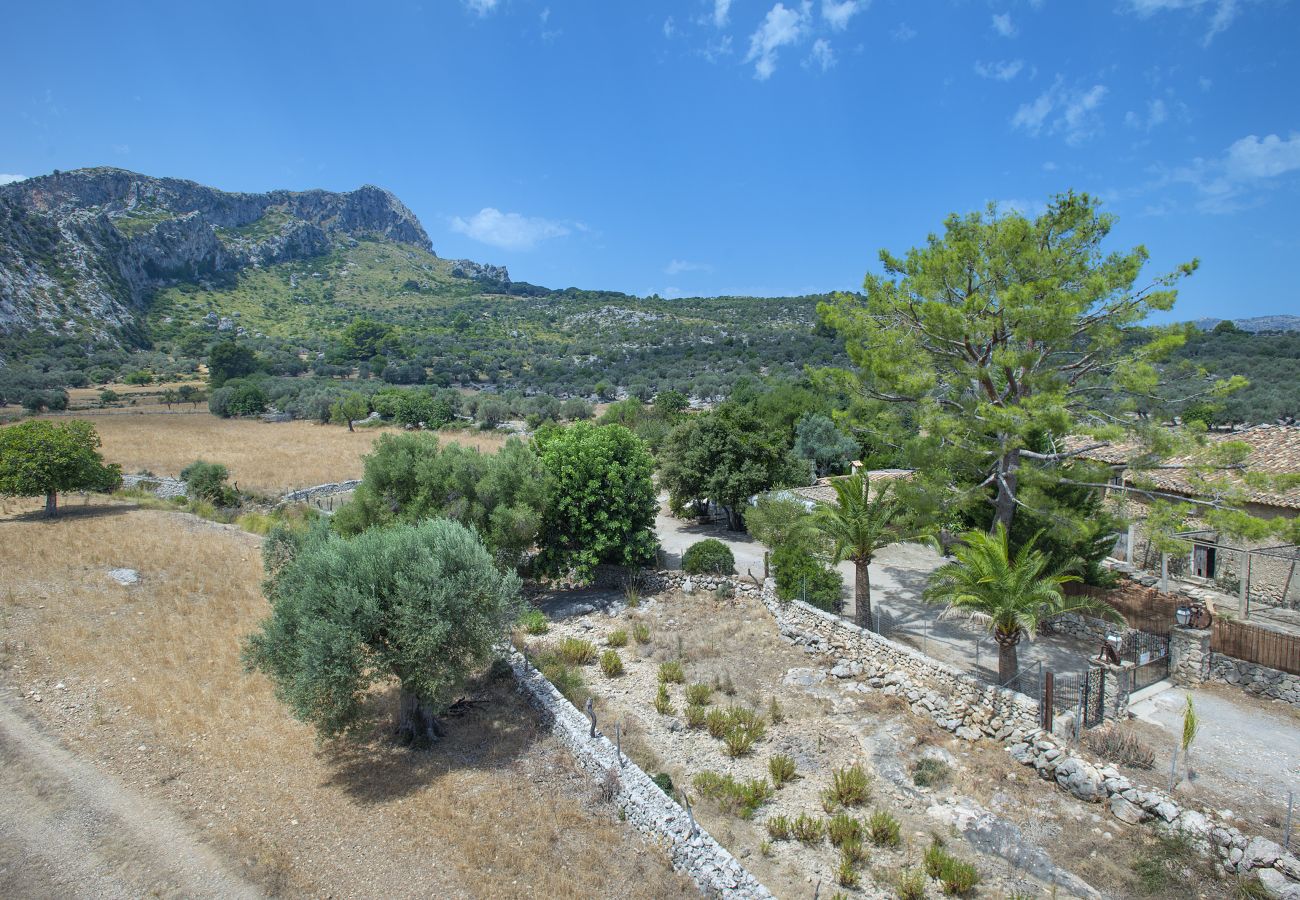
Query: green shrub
[[641, 631], [846, 875], [853, 851], [717, 723], [957, 876], [929, 772], [911, 885], [534, 621], [696, 715], [850, 786], [779, 828], [664, 781], [617, 638], [843, 827], [708, 557], [567, 679], [807, 829], [663, 702], [781, 768], [802, 576], [611, 664], [739, 798], [884, 830], [671, 672], [775, 714], [576, 651], [739, 741], [207, 481], [698, 693]]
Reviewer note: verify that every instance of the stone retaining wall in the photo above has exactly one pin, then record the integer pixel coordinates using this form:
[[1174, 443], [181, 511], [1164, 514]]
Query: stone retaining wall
[[691, 849], [160, 486], [321, 490], [1272, 683]]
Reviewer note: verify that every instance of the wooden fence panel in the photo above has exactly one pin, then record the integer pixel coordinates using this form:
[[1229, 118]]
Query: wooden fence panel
[[1143, 608], [1261, 646]]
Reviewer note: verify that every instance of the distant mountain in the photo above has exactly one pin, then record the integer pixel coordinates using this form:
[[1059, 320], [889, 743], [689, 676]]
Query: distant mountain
[[1256, 323], [85, 252]]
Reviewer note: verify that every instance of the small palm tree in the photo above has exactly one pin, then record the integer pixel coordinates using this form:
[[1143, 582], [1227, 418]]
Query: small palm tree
[[1013, 593], [860, 524]]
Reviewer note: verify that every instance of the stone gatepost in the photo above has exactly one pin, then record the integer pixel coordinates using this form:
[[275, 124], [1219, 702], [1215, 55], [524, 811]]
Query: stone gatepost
[[1189, 654], [1118, 685]]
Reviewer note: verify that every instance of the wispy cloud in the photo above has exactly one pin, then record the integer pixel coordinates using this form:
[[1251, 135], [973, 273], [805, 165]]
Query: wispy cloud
[[1157, 113], [510, 231], [481, 7], [7, 178], [781, 27], [903, 33], [678, 266], [822, 56], [1238, 179], [721, 11], [1071, 112], [1003, 25], [837, 13], [1224, 12], [1028, 208], [1003, 70], [670, 30]]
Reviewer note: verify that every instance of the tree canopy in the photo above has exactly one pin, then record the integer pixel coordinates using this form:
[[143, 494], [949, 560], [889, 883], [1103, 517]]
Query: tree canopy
[[40, 457], [419, 605]]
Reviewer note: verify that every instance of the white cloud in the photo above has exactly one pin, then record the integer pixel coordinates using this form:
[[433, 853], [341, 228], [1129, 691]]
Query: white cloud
[[1237, 179], [1049, 166], [822, 55], [1157, 113], [838, 12], [1028, 208], [6, 178], [1069, 112], [1003, 25], [721, 9], [903, 33], [1225, 12], [670, 30], [510, 231], [1004, 70], [481, 7], [678, 266], [1268, 157], [781, 27]]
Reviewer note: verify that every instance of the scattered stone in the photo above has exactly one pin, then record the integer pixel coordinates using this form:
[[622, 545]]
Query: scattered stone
[[124, 576]]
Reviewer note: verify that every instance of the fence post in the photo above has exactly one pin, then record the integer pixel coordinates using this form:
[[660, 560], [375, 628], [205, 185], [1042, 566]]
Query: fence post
[[1290, 804], [1048, 700], [1244, 602], [591, 713]]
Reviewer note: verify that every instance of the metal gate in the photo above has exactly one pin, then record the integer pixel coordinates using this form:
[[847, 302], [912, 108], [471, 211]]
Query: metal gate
[[1150, 657], [1080, 694]]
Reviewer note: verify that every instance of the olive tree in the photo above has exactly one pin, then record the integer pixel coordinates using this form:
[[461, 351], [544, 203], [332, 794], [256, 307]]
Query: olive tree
[[420, 606]]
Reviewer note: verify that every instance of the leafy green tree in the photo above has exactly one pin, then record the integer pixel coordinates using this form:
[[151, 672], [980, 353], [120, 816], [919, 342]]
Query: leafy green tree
[[671, 404], [229, 360], [600, 499], [727, 456], [42, 457], [818, 439], [575, 409], [365, 339], [238, 398], [207, 481], [421, 408], [169, 397], [859, 524], [999, 330], [778, 521], [1012, 593], [421, 606], [348, 408], [801, 575]]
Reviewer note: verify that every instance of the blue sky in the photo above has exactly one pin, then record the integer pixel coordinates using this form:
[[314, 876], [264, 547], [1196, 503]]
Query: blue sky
[[700, 147]]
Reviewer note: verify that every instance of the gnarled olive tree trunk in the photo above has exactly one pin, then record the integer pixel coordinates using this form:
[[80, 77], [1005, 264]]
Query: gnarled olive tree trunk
[[416, 723]]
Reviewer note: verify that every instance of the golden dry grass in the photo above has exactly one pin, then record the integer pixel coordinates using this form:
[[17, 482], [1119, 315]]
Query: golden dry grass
[[495, 811], [263, 457]]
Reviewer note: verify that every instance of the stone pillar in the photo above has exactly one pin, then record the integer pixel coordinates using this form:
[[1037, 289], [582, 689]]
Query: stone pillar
[[1189, 654], [1118, 686]]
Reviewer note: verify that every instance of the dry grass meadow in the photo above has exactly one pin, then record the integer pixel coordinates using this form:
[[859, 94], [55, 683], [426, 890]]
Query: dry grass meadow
[[263, 457], [146, 682]]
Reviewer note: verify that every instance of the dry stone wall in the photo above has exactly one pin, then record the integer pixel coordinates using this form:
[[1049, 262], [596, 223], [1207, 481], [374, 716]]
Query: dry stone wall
[[161, 487], [1272, 683], [691, 849]]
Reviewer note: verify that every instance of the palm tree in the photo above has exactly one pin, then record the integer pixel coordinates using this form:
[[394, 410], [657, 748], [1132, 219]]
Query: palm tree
[[1013, 593], [857, 526]]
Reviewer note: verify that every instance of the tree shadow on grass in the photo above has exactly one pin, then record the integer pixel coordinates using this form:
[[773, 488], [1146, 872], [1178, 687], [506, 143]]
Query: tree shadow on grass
[[76, 511], [493, 733]]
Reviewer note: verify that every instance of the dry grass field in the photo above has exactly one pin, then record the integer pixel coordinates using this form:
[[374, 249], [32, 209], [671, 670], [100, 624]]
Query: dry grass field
[[263, 457], [146, 682]]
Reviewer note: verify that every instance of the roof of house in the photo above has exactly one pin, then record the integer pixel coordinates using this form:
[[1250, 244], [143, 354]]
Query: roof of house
[[1275, 450], [823, 492]]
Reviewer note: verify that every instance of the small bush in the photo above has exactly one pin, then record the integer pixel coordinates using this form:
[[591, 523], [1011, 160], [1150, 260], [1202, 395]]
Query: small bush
[[957, 876], [696, 715], [534, 621], [739, 798], [663, 702], [576, 651], [853, 851], [802, 576], [781, 768], [567, 680], [849, 787], [698, 694], [708, 557], [807, 829], [744, 728], [641, 631], [207, 481], [884, 830], [911, 885], [664, 782], [611, 664], [929, 772], [617, 638], [723, 683], [739, 741], [779, 828], [671, 672], [843, 827], [846, 875], [1116, 745], [717, 722], [775, 714], [1169, 867]]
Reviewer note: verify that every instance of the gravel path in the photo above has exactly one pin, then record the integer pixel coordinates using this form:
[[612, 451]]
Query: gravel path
[[69, 830]]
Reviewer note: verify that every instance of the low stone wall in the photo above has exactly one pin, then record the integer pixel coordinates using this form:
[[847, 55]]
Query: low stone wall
[[1086, 628], [1272, 683], [653, 581], [691, 849], [160, 486], [321, 490]]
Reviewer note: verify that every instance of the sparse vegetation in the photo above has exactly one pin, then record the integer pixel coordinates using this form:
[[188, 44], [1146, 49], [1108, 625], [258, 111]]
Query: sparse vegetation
[[672, 672], [782, 769], [850, 786], [641, 632], [740, 798], [884, 830], [843, 827], [696, 716], [807, 829], [698, 693], [663, 702], [958, 877], [611, 664], [780, 828], [576, 651], [617, 638], [1115, 744], [534, 622], [911, 885], [930, 772]]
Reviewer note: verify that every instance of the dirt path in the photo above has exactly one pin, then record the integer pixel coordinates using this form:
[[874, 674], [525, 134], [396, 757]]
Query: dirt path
[[69, 830]]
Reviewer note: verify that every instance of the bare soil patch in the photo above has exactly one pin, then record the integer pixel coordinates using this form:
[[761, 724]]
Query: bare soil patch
[[145, 683]]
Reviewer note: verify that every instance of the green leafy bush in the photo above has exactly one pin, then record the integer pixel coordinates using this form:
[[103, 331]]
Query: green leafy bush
[[672, 672], [800, 575], [911, 885], [957, 876], [850, 786], [617, 638], [663, 702], [739, 798], [782, 769], [843, 827], [884, 830], [698, 693], [664, 782], [708, 557], [611, 664], [576, 651], [207, 481], [807, 829], [779, 828], [641, 631], [696, 715], [929, 772], [534, 621]]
